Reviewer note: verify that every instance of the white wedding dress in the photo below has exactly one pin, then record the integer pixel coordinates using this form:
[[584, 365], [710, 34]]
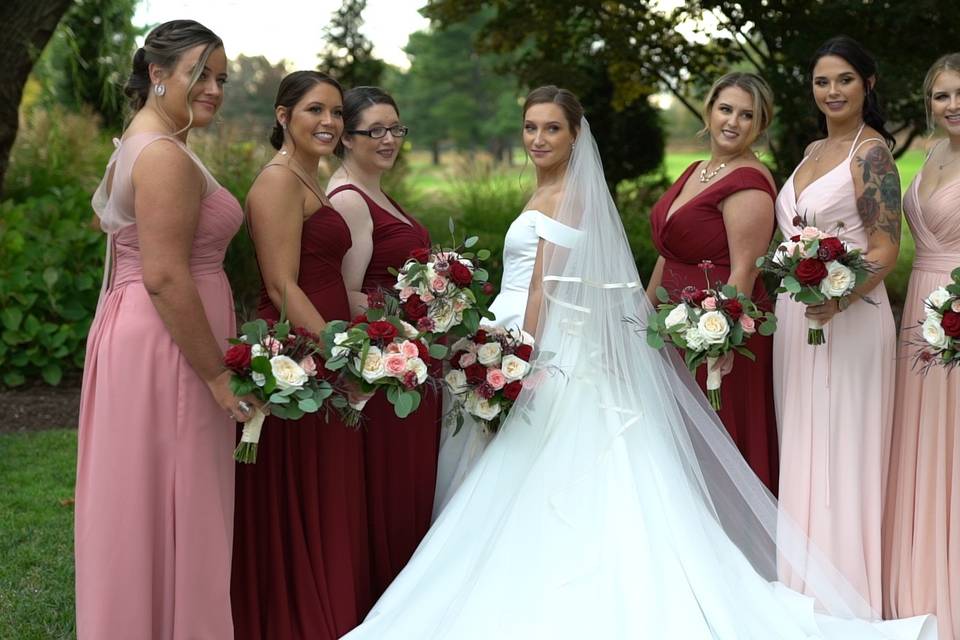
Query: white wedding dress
[[611, 505], [459, 452]]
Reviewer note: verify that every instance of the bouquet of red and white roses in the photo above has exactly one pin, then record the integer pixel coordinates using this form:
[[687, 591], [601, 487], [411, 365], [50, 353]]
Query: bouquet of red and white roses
[[445, 291], [377, 351], [277, 364], [709, 325], [486, 374], [814, 267], [941, 328]]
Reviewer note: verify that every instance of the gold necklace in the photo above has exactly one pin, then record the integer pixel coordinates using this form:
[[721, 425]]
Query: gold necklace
[[707, 177]]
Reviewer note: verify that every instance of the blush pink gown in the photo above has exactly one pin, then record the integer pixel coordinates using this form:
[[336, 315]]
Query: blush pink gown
[[835, 402], [155, 476], [922, 525]]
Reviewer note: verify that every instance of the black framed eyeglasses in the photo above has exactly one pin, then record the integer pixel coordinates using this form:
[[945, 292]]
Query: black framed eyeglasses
[[397, 131]]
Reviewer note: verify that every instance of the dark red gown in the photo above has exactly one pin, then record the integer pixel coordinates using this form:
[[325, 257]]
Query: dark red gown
[[400, 455], [301, 565], [696, 232]]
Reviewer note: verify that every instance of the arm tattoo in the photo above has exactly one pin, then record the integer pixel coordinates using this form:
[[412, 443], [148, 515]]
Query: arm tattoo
[[879, 204]]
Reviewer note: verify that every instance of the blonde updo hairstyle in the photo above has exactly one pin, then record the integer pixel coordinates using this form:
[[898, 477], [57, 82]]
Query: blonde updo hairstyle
[[949, 62], [754, 85]]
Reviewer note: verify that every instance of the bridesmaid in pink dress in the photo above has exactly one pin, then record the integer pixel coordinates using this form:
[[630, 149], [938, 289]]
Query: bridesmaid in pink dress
[[300, 566], [922, 519], [400, 454], [154, 497], [722, 210], [835, 401]]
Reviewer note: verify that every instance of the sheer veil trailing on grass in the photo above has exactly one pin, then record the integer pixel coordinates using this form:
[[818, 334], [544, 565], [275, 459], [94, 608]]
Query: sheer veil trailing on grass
[[612, 504]]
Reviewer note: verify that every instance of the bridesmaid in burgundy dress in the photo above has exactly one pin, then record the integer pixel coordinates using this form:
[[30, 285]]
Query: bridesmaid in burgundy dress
[[301, 565], [400, 455], [726, 216]]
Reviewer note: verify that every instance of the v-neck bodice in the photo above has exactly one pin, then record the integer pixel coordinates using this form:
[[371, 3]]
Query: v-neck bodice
[[935, 226]]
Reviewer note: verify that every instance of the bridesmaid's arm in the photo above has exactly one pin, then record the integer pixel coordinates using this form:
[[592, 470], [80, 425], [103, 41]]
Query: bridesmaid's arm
[[168, 188], [877, 188], [356, 213], [749, 219], [655, 279], [275, 211]]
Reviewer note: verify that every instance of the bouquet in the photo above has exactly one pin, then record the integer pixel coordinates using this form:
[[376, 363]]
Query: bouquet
[[814, 267], [941, 328], [278, 365], [709, 325], [445, 291], [487, 372], [377, 351]]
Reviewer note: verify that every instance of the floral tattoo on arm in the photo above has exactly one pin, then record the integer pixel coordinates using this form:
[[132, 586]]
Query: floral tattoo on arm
[[879, 204]]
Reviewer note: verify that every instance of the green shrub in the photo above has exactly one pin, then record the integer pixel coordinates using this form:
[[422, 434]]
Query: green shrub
[[51, 264]]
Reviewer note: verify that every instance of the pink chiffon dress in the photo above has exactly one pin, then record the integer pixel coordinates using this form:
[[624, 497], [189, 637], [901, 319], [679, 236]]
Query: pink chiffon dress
[[922, 525], [155, 473], [835, 401]]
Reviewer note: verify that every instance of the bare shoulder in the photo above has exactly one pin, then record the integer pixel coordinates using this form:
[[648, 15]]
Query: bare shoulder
[[276, 188], [163, 161], [547, 203], [350, 204]]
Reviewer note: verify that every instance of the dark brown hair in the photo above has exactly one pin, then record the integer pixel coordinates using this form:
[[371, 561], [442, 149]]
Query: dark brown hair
[[292, 89], [355, 102], [552, 94]]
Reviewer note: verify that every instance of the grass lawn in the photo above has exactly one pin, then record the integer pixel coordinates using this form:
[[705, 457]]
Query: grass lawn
[[36, 534]]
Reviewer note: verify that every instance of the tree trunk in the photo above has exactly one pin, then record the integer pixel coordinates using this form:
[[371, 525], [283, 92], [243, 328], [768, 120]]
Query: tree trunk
[[435, 149], [27, 26]]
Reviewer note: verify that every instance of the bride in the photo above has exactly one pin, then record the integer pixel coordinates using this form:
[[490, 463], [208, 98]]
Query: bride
[[612, 504]]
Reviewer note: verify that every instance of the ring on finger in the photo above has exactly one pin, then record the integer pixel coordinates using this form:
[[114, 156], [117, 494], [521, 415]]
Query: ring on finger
[[244, 406]]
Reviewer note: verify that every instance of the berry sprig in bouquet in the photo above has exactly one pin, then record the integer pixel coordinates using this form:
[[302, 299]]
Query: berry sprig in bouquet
[[814, 267], [377, 352], [709, 325], [278, 364], [445, 291], [487, 371], [940, 329]]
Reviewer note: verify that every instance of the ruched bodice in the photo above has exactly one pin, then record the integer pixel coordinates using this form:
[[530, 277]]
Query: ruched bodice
[[935, 227]]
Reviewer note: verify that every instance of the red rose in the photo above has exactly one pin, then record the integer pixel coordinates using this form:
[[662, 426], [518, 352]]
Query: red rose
[[512, 390], [487, 288], [455, 359], [424, 350], [480, 337], [523, 352], [951, 324], [810, 271], [237, 358], [421, 255], [830, 249], [359, 319], [693, 296], [460, 274], [476, 373], [381, 330], [733, 308], [414, 308]]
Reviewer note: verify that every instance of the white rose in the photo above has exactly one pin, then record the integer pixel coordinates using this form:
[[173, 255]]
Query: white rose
[[482, 408], [785, 250], [677, 318], [457, 380], [839, 280], [933, 334], [714, 327], [694, 339], [463, 344], [444, 316], [489, 353], [514, 368], [409, 330], [257, 350], [373, 367], [937, 299], [288, 373], [419, 367]]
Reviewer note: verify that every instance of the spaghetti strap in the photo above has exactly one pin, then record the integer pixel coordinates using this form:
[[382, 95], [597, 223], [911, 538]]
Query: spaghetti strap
[[320, 196], [856, 145]]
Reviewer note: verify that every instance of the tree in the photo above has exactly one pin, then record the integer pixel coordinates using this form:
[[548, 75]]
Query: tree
[[88, 59], [27, 26], [348, 54], [254, 81]]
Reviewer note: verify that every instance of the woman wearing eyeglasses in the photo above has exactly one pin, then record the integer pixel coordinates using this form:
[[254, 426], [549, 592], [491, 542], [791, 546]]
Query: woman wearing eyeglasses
[[400, 455]]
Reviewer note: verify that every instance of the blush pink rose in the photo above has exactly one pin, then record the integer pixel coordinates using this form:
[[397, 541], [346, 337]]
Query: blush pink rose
[[409, 349], [709, 303], [309, 366], [393, 347], [955, 305], [273, 345], [467, 359], [496, 379], [438, 284], [810, 233], [395, 364], [748, 324], [426, 297]]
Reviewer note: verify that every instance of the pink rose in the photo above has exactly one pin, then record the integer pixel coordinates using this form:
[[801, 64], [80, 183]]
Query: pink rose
[[406, 292], [810, 233], [309, 366], [393, 347], [467, 359], [409, 349], [496, 379], [438, 284], [273, 345], [955, 305], [395, 364], [748, 324], [426, 297], [709, 303]]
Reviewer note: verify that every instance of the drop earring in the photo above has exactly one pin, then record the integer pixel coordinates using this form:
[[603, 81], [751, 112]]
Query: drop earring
[[159, 89]]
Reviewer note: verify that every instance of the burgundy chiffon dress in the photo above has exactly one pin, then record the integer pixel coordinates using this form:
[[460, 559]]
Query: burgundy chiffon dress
[[696, 232], [400, 455], [301, 554]]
